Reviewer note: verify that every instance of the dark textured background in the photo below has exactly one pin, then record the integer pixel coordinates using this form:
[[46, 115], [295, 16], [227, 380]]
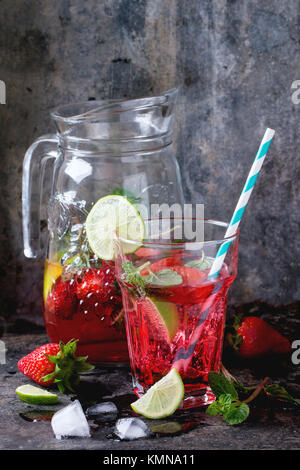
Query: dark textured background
[[235, 61]]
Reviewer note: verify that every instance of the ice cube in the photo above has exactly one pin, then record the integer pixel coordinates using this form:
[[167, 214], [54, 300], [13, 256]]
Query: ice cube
[[131, 428], [58, 215], [70, 421], [105, 411]]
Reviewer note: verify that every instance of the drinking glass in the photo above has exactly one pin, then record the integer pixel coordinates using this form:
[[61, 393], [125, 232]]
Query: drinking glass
[[175, 311]]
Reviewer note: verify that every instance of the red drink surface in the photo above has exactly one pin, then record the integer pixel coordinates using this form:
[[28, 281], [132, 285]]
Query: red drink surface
[[78, 309], [163, 323]]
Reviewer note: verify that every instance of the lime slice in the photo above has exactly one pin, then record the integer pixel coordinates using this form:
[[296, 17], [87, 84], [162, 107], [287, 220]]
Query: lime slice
[[113, 215], [162, 399], [161, 317], [36, 395]]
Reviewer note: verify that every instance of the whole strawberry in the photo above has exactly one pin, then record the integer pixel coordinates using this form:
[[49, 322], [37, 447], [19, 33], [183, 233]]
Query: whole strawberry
[[62, 300], [36, 365], [254, 337], [96, 285], [55, 363]]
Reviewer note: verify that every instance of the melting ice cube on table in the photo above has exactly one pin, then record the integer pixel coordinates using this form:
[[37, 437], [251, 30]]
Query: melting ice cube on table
[[70, 421], [105, 411], [131, 428]]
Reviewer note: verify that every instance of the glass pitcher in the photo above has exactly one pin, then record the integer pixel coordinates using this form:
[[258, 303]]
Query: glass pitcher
[[100, 148]]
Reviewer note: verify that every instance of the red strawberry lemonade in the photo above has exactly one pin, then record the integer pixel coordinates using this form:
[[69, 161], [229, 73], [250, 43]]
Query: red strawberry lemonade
[[85, 304], [161, 323]]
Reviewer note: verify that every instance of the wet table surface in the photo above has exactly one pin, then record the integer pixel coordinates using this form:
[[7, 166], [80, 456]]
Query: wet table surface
[[271, 424]]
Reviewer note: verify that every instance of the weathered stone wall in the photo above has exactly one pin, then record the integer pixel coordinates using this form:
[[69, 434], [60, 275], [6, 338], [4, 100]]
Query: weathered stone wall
[[235, 61]]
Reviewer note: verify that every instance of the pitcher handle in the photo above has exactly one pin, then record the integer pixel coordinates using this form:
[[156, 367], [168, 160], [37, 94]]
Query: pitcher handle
[[36, 157]]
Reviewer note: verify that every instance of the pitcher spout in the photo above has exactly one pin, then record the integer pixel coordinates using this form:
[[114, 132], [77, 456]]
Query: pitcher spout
[[120, 125]]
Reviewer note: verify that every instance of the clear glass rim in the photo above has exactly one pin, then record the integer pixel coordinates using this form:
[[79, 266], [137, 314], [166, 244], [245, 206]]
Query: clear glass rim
[[187, 244], [105, 107]]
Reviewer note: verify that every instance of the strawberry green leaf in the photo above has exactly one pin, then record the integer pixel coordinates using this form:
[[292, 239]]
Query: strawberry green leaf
[[237, 321], [49, 376], [81, 358], [52, 359], [67, 367], [235, 339]]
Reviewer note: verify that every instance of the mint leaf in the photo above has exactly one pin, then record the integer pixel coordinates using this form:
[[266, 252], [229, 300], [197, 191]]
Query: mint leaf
[[128, 194], [200, 263], [133, 275], [213, 409], [220, 385], [236, 413], [224, 402], [279, 392], [238, 385], [165, 277], [233, 412]]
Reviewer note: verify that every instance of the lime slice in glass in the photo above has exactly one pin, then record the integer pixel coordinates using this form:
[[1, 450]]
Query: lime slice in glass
[[161, 317], [36, 395], [162, 399], [109, 216]]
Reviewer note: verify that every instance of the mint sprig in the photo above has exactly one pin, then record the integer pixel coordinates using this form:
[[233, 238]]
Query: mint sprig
[[228, 404], [233, 411], [133, 275], [162, 278]]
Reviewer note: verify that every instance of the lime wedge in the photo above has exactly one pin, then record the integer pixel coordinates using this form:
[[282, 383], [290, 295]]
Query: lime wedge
[[161, 317], [113, 215], [162, 399], [52, 272], [36, 395]]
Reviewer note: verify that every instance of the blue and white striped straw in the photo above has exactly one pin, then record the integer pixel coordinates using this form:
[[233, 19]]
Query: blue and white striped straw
[[184, 355], [242, 202]]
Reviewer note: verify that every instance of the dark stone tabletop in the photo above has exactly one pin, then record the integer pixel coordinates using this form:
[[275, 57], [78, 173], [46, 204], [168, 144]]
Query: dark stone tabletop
[[271, 424]]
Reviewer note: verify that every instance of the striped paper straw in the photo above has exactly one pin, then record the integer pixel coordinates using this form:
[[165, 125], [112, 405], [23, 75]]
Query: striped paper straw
[[184, 355], [242, 202]]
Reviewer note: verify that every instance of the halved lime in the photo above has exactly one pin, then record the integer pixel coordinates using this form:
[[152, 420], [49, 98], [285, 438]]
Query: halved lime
[[161, 317], [162, 399], [109, 216], [36, 395]]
